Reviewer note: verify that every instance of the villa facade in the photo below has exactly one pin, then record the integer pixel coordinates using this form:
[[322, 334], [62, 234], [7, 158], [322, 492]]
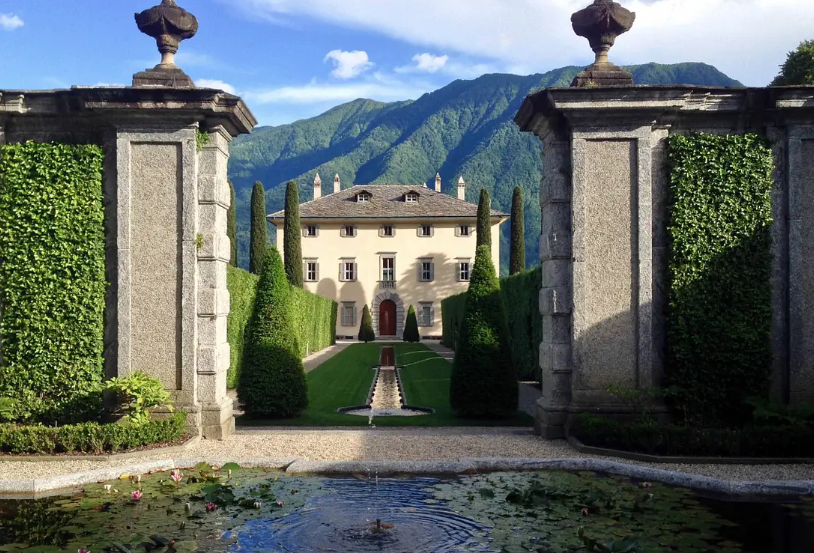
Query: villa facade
[[388, 247]]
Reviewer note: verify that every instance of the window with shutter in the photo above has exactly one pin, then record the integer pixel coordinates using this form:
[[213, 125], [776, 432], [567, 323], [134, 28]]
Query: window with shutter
[[348, 313], [425, 270], [425, 231], [347, 271], [311, 270], [310, 231], [425, 314]]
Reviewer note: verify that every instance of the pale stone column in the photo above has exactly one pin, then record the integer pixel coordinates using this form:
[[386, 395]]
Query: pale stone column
[[213, 296], [555, 294], [613, 264], [156, 230]]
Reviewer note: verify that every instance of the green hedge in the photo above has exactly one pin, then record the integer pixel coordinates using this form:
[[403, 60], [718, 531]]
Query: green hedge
[[696, 441], [52, 279], [520, 294], [314, 319], [719, 320], [242, 293], [90, 437]]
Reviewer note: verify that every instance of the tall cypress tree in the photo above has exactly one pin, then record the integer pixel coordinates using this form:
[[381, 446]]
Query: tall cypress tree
[[483, 383], [231, 226], [259, 232], [484, 230], [517, 256], [292, 235], [272, 382]]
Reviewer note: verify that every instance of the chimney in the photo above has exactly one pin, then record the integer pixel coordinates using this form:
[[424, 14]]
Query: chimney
[[438, 182], [317, 187], [337, 184], [425, 184], [461, 189]]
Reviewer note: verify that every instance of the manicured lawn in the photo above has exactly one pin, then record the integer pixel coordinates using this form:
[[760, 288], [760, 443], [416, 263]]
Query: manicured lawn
[[345, 380]]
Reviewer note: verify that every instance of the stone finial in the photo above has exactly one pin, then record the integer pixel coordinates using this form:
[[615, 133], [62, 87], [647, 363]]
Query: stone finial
[[169, 24], [601, 23], [461, 188], [438, 182]]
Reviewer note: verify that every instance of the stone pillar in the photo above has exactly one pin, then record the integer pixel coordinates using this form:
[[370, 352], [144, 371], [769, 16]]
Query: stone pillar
[[555, 294], [604, 244], [213, 250], [157, 229]]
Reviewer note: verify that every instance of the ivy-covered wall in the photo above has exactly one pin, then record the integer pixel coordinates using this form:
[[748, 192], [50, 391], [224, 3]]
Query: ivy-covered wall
[[52, 279], [719, 319], [520, 294], [242, 287], [314, 319]]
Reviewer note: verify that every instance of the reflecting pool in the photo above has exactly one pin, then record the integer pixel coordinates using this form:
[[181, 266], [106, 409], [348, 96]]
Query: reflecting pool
[[232, 509]]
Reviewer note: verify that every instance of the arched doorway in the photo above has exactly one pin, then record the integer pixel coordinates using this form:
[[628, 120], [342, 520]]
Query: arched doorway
[[387, 318]]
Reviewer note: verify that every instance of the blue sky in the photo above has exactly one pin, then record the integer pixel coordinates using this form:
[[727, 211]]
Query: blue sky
[[292, 59]]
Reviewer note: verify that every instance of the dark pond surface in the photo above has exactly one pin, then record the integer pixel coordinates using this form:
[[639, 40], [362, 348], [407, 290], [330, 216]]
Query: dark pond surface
[[256, 510]]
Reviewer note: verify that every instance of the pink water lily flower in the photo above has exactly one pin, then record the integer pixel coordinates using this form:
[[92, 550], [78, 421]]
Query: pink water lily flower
[[585, 512], [176, 476], [136, 494], [647, 485], [280, 503], [80, 550], [210, 507]]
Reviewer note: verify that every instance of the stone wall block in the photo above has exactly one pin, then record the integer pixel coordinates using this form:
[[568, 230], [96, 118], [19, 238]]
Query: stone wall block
[[555, 301], [212, 218], [212, 330], [212, 274], [556, 329], [556, 272]]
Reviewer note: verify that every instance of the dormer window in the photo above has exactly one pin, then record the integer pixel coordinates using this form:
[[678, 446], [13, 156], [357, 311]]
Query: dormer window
[[411, 197], [363, 197]]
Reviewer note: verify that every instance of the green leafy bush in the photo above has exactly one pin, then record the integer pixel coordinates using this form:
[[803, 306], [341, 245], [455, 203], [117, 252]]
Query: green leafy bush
[[483, 382], [798, 69], [137, 394], [646, 436], [366, 332], [52, 280], [231, 226], [411, 327], [520, 295], [314, 319], [719, 319], [272, 383], [242, 287], [90, 437]]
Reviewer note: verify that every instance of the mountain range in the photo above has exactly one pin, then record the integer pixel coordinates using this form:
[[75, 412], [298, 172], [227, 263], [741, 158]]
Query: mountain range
[[463, 129]]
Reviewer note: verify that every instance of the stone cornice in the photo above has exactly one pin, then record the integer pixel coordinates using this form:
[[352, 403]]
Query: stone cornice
[[217, 107], [661, 105]]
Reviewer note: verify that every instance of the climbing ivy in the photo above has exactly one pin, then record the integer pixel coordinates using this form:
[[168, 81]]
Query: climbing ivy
[[719, 321], [52, 279]]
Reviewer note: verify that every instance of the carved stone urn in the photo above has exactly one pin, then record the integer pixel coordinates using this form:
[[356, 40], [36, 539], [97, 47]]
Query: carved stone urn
[[601, 23], [168, 24]]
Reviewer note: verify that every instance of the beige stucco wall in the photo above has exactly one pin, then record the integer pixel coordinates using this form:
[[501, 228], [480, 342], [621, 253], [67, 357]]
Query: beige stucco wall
[[444, 247]]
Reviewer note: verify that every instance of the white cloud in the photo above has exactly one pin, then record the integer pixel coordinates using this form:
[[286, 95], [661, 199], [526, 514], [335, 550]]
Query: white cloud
[[215, 83], [425, 63], [9, 21], [348, 65], [315, 93], [537, 33]]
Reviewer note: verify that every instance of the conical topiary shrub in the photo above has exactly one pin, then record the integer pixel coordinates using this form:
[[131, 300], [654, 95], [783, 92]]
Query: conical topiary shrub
[[411, 327], [259, 230], [484, 227], [272, 382], [483, 382], [366, 333]]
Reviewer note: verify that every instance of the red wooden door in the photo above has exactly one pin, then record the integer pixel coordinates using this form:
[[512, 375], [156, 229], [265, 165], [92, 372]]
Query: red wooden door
[[387, 318]]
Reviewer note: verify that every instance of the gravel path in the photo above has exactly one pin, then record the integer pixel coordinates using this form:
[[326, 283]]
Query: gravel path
[[442, 444]]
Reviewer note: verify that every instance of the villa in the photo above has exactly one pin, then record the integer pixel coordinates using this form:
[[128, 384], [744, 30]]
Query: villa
[[388, 247]]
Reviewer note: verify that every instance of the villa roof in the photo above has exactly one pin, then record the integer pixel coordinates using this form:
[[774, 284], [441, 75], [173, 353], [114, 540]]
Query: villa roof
[[386, 202]]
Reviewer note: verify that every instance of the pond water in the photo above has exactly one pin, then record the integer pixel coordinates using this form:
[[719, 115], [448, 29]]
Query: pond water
[[233, 509]]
